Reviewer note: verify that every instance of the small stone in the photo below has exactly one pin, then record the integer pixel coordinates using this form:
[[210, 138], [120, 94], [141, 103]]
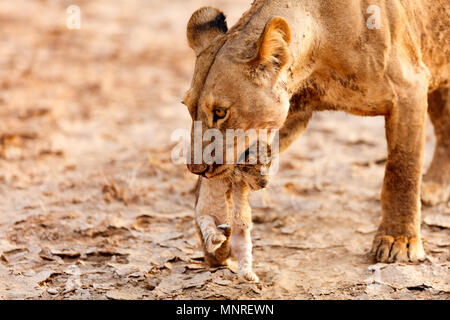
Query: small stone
[[287, 230], [52, 291]]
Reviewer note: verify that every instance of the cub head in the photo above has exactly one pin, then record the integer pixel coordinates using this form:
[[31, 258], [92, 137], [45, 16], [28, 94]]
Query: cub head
[[237, 84]]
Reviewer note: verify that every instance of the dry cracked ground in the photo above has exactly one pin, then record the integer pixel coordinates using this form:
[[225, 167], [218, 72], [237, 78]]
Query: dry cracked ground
[[93, 207]]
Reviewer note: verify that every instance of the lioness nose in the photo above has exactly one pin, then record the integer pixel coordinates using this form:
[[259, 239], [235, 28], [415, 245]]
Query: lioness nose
[[197, 168]]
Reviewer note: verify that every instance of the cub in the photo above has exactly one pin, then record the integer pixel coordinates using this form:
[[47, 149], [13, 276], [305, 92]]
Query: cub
[[224, 223]]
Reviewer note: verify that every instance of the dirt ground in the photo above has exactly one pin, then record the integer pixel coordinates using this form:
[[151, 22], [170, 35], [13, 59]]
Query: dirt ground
[[93, 207]]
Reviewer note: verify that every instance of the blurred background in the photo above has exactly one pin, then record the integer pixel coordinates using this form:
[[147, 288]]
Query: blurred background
[[93, 207]]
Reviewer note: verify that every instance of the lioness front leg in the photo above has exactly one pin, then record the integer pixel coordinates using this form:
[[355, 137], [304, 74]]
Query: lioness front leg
[[241, 241], [398, 237], [436, 183], [298, 118], [212, 215]]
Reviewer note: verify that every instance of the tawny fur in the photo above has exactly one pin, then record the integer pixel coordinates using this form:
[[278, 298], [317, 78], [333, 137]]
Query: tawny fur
[[334, 62], [224, 220]]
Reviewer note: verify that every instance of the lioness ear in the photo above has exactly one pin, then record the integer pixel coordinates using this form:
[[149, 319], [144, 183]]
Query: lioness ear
[[272, 47], [205, 24]]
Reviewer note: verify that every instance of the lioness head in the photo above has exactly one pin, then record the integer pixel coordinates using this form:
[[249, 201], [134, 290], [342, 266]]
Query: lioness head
[[238, 82]]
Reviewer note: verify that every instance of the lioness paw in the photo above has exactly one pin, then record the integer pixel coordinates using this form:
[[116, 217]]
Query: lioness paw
[[387, 249]]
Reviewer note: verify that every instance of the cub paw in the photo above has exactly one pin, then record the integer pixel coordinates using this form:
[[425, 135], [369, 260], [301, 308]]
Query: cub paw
[[216, 239], [434, 193], [388, 249], [226, 229], [248, 275]]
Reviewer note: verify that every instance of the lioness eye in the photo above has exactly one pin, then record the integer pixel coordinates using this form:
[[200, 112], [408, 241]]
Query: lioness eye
[[220, 113]]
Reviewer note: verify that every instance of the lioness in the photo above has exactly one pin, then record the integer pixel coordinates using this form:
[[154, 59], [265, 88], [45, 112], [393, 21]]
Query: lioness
[[285, 60]]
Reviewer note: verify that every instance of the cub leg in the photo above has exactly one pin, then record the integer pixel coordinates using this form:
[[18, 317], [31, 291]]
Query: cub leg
[[436, 182], [241, 241], [212, 216], [398, 236]]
